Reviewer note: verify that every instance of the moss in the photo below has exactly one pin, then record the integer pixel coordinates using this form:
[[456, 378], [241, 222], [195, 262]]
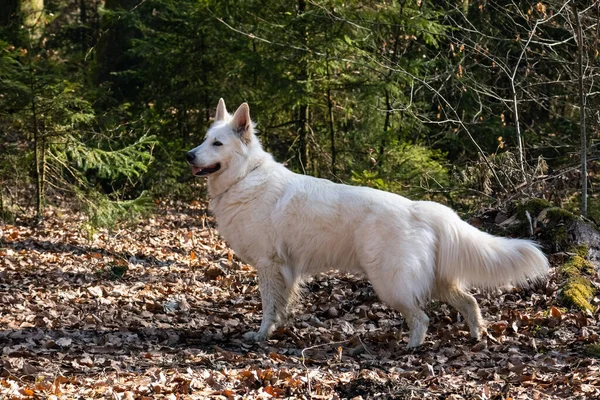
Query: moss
[[557, 214], [535, 206], [561, 238], [576, 265], [577, 292], [593, 350], [581, 250]]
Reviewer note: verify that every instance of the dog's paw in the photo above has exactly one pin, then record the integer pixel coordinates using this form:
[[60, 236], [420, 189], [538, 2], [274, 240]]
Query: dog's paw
[[255, 336], [478, 333]]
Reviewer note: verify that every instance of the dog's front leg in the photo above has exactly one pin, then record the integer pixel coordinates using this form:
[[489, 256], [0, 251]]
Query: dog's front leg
[[274, 298]]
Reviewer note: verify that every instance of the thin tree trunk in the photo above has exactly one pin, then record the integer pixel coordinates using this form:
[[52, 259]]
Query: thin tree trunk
[[388, 103], [582, 103], [464, 5], [303, 138], [39, 156], [330, 115], [44, 148], [386, 128], [83, 19], [518, 129], [513, 88], [331, 130], [2, 213], [207, 105], [303, 111]]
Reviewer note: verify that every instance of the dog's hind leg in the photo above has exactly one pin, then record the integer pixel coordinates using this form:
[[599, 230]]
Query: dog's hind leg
[[401, 299], [275, 298], [417, 322], [465, 304]]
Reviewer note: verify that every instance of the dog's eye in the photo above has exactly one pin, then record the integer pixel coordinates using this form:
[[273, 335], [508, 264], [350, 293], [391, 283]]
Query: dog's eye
[[217, 143]]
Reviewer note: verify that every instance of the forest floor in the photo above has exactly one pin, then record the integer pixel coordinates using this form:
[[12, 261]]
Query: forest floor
[[158, 310]]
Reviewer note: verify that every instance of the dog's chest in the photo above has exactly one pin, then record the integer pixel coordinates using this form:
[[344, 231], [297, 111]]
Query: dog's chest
[[245, 229]]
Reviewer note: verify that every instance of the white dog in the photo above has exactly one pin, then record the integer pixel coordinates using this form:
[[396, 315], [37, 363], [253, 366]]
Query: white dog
[[290, 226]]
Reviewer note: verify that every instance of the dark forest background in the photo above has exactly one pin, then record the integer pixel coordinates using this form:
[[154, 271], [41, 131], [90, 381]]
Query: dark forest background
[[472, 103]]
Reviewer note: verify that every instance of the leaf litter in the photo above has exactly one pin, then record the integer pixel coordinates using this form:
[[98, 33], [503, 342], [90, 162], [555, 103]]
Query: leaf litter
[[158, 310]]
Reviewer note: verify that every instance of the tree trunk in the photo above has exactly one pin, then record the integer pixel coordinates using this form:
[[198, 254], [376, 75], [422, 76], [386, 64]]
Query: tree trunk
[[32, 11], [330, 117], [2, 212], [39, 154], [388, 103], [208, 107], [303, 145], [464, 5], [331, 130], [386, 128], [582, 103], [22, 12], [83, 17], [518, 130]]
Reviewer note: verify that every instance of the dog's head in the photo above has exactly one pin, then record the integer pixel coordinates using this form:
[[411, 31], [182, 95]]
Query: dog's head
[[227, 139]]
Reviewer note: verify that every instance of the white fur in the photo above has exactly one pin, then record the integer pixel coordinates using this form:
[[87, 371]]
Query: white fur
[[290, 226]]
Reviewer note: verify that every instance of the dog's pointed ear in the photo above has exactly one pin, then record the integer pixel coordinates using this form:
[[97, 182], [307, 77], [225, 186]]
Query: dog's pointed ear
[[221, 110], [241, 123]]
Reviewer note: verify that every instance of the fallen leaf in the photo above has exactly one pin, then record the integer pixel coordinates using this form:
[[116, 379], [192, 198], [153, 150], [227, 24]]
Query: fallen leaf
[[95, 291], [64, 342], [556, 313]]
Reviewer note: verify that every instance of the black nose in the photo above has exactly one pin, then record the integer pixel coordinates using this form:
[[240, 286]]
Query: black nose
[[189, 156]]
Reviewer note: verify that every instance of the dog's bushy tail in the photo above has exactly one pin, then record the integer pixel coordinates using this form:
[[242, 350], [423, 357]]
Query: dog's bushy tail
[[479, 259]]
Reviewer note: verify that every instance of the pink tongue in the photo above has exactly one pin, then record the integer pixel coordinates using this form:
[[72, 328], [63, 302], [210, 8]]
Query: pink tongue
[[195, 170]]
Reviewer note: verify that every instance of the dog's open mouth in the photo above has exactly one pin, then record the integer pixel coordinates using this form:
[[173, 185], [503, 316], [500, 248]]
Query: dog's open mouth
[[200, 171]]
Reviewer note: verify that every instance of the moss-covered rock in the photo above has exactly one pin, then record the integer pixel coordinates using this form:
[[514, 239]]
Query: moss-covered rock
[[545, 221], [561, 231], [586, 237], [534, 206], [524, 214], [555, 225], [577, 265], [577, 290], [556, 229], [557, 215], [582, 250]]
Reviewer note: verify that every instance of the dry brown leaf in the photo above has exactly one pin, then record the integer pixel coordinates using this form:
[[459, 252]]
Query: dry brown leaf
[[95, 291], [556, 313]]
